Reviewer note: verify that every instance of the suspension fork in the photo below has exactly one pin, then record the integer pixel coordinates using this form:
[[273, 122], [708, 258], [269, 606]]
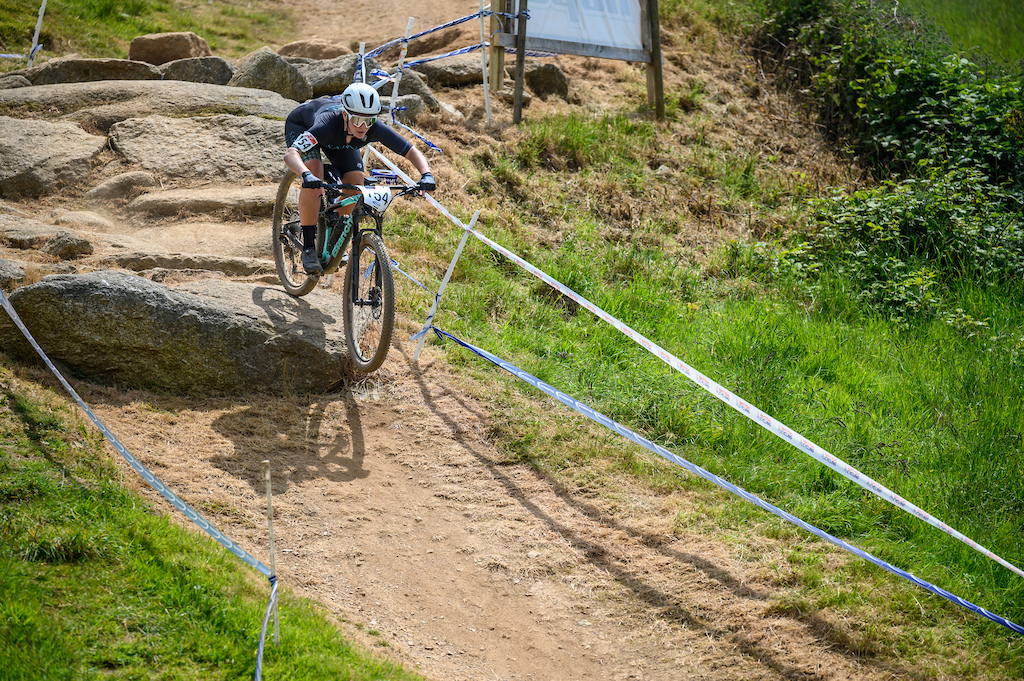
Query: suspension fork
[[357, 242], [353, 268]]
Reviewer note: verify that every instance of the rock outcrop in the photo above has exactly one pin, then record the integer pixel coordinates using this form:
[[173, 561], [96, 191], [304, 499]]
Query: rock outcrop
[[160, 48], [210, 337], [40, 157], [161, 140]]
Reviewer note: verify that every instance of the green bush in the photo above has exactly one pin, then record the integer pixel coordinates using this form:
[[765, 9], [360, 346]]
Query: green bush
[[943, 136], [894, 91], [902, 243]]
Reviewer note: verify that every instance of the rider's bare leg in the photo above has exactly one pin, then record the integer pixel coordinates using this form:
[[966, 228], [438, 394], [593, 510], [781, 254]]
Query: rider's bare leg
[[309, 199]]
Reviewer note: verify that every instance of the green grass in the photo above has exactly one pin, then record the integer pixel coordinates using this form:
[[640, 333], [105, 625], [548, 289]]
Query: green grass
[[104, 28], [994, 27], [929, 406], [94, 584], [931, 412]]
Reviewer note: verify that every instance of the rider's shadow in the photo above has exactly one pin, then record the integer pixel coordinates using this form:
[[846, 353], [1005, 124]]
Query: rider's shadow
[[293, 314], [342, 452], [304, 439], [303, 436]]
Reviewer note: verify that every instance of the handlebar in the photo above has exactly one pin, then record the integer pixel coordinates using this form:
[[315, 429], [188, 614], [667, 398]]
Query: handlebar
[[336, 189]]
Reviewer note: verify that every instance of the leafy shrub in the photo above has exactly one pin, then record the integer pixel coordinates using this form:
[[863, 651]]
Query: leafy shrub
[[901, 243], [894, 91], [912, 114], [945, 138]]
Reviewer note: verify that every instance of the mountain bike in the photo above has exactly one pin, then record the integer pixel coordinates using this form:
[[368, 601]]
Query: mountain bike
[[369, 286]]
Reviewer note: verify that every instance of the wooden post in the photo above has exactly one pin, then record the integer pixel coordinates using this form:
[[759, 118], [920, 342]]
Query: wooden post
[[517, 113], [655, 87], [497, 52]]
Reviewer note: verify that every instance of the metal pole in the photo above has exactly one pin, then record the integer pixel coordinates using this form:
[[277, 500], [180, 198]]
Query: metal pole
[[517, 113], [422, 335], [398, 71], [270, 526]]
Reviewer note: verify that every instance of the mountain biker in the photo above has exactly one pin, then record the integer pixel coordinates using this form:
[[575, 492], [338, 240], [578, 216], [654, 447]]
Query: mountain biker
[[339, 127]]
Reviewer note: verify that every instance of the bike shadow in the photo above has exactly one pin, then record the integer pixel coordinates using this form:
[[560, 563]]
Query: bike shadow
[[297, 315], [301, 438], [305, 435]]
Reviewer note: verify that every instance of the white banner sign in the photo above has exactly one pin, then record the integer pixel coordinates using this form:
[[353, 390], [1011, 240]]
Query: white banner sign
[[610, 23]]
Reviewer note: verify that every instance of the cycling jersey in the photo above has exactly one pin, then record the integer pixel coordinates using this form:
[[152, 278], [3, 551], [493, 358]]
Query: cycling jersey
[[319, 124]]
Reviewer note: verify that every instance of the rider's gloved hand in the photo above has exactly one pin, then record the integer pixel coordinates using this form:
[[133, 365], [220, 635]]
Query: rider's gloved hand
[[427, 183], [311, 181]]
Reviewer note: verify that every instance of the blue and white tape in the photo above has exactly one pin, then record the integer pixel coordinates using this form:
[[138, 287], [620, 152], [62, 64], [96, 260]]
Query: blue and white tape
[[164, 491], [625, 432], [725, 395]]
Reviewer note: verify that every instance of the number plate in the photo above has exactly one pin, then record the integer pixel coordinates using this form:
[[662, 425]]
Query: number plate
[[377, 198]]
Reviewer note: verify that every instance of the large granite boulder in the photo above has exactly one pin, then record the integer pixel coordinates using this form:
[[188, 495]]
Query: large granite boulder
[[216, 70], [41, 157], [215, 148], [99, 105], [270, 71], [79, 70], [213, 337], [314, 49]]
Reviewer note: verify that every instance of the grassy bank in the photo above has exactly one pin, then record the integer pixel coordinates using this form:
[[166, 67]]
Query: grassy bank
[[105, 28], [883, 324], [93, 584], [897, 353]]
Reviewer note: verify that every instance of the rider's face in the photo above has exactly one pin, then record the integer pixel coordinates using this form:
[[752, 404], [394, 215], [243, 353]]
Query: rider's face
[[358, 125]]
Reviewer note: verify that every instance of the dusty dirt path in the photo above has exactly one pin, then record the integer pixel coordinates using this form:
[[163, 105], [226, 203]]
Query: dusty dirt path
[[377, 22], [394, 511]]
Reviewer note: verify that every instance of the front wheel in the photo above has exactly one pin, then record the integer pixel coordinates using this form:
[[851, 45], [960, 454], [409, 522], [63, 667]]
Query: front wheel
[[287, 236], [369, 303]]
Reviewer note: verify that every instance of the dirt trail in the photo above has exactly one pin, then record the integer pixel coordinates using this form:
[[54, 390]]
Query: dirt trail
[[396, 513]]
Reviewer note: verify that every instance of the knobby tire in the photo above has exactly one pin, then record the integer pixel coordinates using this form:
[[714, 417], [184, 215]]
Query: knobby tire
[[286, 217], [368, 327]]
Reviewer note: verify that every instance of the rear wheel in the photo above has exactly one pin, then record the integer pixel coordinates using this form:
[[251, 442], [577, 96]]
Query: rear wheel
[[287, 235], [370, 307]]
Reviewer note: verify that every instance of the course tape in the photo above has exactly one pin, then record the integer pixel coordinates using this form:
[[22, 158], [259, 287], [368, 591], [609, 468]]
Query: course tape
[[164, 491], [722, 393], [263, 629], [398, 268], [31, 53], [383, 77], [622, 430], [453, 53], [751, 412], [388, 45]]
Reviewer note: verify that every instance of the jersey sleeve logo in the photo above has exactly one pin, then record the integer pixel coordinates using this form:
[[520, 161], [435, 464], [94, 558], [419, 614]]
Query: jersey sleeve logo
[[304, 142]]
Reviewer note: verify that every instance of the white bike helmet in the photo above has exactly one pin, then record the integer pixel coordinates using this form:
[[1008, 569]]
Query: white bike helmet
[[361, 99]]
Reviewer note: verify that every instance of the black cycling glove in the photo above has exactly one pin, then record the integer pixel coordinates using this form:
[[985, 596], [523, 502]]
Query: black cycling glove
[[427, 183], [311, 181]]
